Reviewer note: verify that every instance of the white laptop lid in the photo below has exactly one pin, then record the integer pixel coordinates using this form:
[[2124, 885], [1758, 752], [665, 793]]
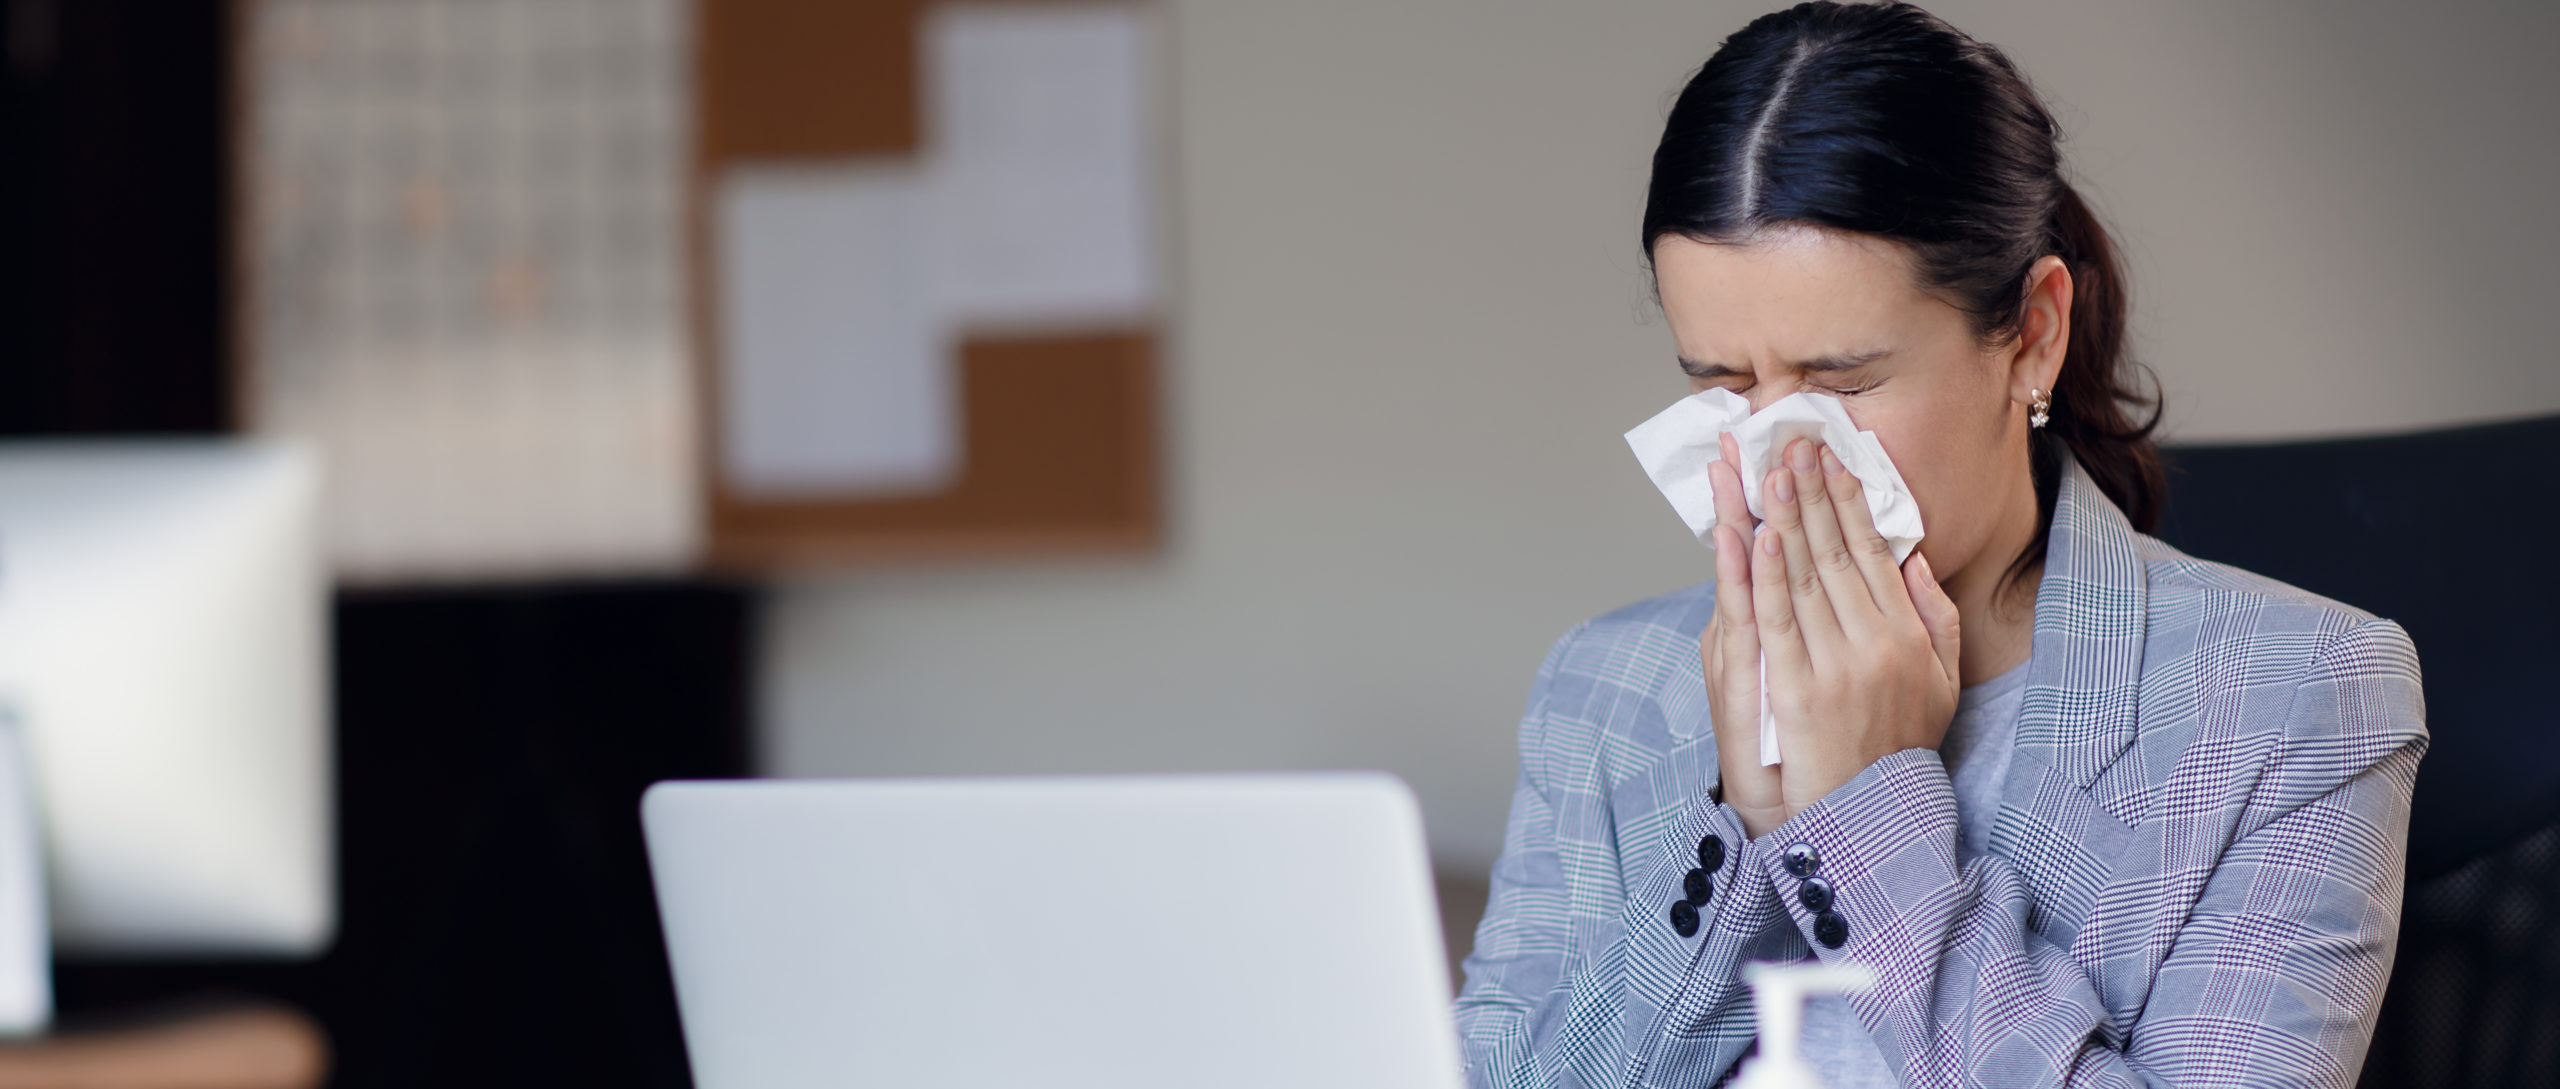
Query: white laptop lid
[[1130, 932]]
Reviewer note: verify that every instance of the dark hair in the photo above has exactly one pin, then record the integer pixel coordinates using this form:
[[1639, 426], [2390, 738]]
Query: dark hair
[[1883, 120]]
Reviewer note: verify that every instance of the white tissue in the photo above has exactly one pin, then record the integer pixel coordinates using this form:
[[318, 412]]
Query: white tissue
[[1676, 446]]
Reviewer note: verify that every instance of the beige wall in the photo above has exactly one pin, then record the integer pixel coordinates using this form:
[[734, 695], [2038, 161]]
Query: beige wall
[[1412, 326]]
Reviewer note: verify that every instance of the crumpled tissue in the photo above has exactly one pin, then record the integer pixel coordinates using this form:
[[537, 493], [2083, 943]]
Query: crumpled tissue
[[1676, 446]]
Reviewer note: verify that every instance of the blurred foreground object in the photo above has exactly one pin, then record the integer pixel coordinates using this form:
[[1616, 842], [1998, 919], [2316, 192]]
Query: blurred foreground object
[[836, 932], [163, 634], [252, 1048]]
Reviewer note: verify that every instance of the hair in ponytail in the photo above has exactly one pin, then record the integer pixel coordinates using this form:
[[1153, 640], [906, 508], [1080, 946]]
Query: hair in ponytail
[[1883, 120]]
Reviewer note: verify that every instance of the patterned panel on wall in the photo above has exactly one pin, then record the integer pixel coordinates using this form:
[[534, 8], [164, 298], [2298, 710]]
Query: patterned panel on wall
[[459, 236]]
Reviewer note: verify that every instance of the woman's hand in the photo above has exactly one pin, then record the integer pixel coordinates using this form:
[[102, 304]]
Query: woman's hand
[[1730, 649], [1862, 653]]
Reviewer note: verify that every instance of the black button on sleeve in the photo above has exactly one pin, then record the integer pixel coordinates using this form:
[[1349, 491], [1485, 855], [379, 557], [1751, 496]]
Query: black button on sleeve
[[1830, 929], [1802, 859], [1684, 918], [1711, 854], [1815, 895], [1699, 886]]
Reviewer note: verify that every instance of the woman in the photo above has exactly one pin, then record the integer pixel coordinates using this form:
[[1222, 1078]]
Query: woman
[[2096, 812]]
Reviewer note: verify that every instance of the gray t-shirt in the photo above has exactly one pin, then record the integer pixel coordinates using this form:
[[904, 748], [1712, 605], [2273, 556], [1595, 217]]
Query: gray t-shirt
[[1976, 753]]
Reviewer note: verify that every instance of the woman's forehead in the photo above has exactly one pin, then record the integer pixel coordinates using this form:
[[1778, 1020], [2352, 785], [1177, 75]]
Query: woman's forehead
[[1791, 293]]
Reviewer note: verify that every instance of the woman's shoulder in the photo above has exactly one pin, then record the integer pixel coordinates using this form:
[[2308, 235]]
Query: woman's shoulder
[[2260, 623], [1639, 641], [2236, 661], [2177, 579], [1623, 687]]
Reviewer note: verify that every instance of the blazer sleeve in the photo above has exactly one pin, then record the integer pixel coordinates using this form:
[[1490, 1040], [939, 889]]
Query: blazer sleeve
[[2273, 979], [1548, 999]]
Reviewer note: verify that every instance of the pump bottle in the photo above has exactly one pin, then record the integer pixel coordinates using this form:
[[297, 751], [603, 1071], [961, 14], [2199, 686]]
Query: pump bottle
[[1778, 991]]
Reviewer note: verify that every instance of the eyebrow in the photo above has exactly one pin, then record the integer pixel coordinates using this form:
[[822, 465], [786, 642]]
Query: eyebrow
[[1820, 363]]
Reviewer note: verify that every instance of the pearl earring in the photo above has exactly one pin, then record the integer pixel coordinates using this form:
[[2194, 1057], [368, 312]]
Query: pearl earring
[[2043, 402]]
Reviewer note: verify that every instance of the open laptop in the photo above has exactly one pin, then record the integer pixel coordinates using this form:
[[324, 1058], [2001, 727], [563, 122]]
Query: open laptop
[[1130, 932]]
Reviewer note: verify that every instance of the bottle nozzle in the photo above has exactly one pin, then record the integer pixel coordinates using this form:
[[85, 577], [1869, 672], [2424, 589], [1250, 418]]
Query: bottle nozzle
[[1778, 991]]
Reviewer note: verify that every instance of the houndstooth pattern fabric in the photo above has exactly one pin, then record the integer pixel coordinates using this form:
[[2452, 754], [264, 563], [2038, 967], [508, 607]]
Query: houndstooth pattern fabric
[[2194, 876]]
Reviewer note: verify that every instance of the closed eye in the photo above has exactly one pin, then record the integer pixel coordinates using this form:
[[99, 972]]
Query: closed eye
[[1846, 392]]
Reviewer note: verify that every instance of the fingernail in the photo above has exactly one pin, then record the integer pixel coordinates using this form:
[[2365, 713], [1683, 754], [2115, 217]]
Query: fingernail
[[1786, 488], [1769, 543], [1926, 573], [1831, 463], [1801, 456]]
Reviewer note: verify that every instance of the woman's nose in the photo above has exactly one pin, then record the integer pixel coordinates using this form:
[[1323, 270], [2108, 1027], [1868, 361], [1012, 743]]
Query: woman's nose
[[1764, 394]]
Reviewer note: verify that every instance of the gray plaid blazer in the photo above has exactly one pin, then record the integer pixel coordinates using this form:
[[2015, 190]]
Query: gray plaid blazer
[[2194, 877]]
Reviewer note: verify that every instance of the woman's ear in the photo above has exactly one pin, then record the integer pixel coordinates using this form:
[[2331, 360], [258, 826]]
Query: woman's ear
[[2044, 332]]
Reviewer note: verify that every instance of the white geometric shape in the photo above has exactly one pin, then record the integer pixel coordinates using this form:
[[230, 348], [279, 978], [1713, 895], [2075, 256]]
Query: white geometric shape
[[1039, 142], [836, 372]]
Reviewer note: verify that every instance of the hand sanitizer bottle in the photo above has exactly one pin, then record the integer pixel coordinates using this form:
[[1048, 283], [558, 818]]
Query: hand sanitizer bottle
[[1779, 990]]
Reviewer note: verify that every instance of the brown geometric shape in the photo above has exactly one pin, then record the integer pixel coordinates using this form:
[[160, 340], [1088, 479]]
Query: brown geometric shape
[[806, 78], [1060, 454]]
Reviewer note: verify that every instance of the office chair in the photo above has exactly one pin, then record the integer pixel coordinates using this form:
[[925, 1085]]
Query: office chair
[[2445, 532]]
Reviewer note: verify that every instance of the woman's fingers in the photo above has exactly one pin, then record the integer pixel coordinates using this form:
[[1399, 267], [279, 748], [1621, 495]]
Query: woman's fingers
[[1773, 604], [1852, 598], [1733, 554], [1723, 474], [1867, 548], [1737, 638], [1811, 604], [1938, 613], [1732, 663], [1737, 635]]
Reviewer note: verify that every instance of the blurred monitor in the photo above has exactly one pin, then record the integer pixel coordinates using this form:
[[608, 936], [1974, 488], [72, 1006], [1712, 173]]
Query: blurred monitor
[[163, 621]]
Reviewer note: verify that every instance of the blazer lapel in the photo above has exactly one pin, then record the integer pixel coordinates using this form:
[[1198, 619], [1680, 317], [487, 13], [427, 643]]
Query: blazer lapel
[[2092, 609]]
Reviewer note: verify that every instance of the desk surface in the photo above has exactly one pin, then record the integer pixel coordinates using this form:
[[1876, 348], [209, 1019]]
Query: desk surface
[[258, 1047]]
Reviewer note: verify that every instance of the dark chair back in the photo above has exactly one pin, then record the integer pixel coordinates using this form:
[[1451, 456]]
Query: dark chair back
[[2443, 531]]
